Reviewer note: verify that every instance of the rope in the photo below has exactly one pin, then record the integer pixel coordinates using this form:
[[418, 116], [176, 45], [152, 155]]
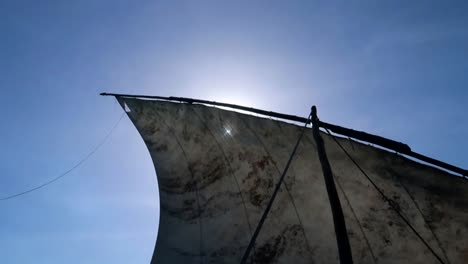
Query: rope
[[390, 202], [69, 170], [272, 199], [286, 186]]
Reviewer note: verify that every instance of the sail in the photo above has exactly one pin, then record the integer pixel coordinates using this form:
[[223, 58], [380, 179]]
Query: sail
[[217, 170]]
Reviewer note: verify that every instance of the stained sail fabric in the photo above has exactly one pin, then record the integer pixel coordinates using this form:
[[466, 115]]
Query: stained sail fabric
[[217, 170]]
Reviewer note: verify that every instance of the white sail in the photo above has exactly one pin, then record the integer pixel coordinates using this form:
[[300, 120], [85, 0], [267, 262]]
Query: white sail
[[217, 170]]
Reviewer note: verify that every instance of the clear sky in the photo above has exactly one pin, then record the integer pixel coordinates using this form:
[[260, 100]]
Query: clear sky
[[394, 68]]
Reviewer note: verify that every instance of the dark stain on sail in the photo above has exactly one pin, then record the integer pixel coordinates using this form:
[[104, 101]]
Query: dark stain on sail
[[262, 163], [268, 252], [185, 253], [160, 147], [149, 128], [170, 185], [192, 134], [290, 238], [435, 214], [185, 133], [231, 251], [156, 146], [259, 184], [267, 134], [206, 173], [187, 212], [213, 206], [242, 156], [385, 233], [441, 192], [176, 185]]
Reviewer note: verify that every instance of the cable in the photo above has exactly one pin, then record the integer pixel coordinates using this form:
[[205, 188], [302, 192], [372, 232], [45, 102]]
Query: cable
[[69, 170], [272, 199], [390, 202]]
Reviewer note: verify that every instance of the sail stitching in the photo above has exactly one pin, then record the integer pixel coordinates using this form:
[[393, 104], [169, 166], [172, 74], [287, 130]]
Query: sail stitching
[[374, 258], [270, 203], [349, 204], [390, 202], [287, 189], [230, 168], [356, 218], [196, 189], [425, 221]]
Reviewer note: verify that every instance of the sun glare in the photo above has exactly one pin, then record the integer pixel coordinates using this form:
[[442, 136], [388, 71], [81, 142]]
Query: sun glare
[[228, 79]]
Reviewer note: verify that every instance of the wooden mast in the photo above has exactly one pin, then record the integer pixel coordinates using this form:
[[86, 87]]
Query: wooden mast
[[344, 249]]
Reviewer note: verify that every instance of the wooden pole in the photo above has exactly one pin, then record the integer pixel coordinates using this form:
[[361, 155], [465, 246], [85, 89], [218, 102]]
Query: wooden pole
[[359, 135], [344, 249]]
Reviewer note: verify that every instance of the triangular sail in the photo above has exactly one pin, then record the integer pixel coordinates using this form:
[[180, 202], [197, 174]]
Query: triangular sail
[[217, 169]]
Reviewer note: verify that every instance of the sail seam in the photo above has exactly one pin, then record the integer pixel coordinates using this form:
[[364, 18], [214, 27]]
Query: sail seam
[[196, 190], [230, 168], [287, 189], [391, 203], [374, 258], [272, 199], [425, 221], [356, 218]]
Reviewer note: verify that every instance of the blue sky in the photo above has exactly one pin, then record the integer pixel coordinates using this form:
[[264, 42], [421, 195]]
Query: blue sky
[[394, 68]]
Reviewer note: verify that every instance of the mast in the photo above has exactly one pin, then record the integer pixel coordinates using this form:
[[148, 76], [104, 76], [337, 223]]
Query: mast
[[344, 249]]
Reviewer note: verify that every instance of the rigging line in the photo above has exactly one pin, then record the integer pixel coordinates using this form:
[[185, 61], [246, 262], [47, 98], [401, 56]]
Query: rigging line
[[350, 206], [231, 171], [69, 170], [390, 202], [272, 199], [285, 185], [356, 218], [425, 221]]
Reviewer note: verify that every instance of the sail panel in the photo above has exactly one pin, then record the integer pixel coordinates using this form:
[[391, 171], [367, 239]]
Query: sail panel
[[217, 169]]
